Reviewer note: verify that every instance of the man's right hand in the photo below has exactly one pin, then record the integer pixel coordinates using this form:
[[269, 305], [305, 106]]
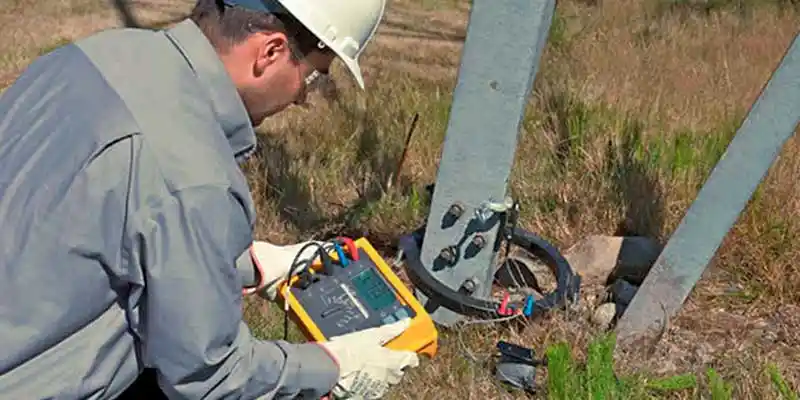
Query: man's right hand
[[366, 368]]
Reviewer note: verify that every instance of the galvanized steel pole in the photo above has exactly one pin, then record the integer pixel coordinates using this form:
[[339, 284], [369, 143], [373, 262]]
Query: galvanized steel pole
[[499, 63]]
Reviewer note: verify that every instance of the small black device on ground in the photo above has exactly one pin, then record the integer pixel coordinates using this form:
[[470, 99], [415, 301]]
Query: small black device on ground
[[517, 366]]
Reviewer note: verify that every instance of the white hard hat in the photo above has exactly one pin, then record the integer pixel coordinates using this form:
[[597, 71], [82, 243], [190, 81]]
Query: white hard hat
[[344, 27]]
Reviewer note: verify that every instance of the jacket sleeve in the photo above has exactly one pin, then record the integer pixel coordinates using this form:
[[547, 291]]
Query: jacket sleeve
[[194, 336]]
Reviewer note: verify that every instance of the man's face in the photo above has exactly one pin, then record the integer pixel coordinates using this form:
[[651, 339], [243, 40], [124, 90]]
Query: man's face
[[270, 77]]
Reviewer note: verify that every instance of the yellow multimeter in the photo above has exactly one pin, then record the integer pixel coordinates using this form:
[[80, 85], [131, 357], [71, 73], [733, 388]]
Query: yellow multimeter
[[359, 292]]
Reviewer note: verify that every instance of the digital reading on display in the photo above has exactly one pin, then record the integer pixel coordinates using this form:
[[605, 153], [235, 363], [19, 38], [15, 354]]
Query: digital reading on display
[[373, 290]]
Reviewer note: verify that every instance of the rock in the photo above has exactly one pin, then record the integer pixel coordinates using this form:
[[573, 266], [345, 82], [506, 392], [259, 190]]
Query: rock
[[769, 337], [704, 354], [604, 259], [585, 305], [604, 315]]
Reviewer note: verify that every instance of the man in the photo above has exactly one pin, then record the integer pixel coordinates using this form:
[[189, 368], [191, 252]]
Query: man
[[123, 210]]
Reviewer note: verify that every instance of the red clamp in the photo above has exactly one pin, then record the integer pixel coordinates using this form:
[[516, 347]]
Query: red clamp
[[504, 309], [350, 245], [507, 310]]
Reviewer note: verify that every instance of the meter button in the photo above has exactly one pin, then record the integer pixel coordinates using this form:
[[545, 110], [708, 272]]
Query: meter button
[[330, 311], [389, 319], [401, 313]]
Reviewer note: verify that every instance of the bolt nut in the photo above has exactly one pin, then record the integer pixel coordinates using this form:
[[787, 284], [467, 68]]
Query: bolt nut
[[455, 211], [469, 285], [448, 255], [478, 241]]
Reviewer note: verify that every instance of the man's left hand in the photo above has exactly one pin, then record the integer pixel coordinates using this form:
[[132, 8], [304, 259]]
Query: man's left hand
[[274, 263]]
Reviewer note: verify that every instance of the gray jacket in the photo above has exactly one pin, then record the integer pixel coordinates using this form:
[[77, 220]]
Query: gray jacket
[[122, 212]]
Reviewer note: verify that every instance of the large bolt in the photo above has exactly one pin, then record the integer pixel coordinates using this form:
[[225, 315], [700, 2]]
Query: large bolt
[[455, 211], [448, 255], [469, 286], [478, 241]]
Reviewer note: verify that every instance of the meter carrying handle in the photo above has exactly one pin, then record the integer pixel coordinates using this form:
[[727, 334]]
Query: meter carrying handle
[[568, 283]]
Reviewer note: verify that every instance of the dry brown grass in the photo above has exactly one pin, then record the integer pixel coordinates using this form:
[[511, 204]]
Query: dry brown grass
[[633, 105]]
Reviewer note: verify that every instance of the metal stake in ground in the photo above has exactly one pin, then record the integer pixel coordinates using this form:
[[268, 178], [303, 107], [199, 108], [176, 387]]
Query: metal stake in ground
[[499, 62], [771, 121], [396, 180]]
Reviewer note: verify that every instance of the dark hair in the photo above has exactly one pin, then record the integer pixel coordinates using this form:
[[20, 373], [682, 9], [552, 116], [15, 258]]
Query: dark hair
[[226, 26]]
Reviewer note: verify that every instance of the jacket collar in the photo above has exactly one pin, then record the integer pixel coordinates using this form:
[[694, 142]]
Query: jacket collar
[[227, 104]]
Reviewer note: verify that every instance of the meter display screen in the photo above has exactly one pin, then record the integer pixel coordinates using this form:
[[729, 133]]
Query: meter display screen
[[373, 290]]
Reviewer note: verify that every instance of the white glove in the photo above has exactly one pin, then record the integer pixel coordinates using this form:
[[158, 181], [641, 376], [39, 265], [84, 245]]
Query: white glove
[[366, 368], [274, 263]]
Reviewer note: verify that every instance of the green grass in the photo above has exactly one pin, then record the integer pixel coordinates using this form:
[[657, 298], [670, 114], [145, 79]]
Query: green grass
[[780, 384], [672, 383], [719, 389], [594, 379], [579, 126]]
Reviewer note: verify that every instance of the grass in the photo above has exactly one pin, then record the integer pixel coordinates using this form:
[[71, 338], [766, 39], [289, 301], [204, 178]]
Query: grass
[[633, 105], [708, 7], [595, 378]]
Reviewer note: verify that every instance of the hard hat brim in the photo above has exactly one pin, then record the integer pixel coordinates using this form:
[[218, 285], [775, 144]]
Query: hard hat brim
[[255, 5], [354, 68]]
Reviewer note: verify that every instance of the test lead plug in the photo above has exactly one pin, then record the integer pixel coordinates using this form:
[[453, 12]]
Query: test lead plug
[[340, 253], [304, 279], [327, 263]]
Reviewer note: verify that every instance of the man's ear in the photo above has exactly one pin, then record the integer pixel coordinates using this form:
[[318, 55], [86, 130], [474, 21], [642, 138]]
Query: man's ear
[[272, 47]]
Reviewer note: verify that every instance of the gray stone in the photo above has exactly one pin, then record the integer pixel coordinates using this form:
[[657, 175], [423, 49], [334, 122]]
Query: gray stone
[[604, 315], [604, 259]]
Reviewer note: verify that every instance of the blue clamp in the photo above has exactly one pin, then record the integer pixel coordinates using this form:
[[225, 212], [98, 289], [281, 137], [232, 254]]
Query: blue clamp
[[340, 252], [529, 303]]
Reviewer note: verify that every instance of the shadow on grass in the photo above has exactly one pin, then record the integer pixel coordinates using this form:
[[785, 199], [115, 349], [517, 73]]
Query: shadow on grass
[[286, 185], [374, 154], [636, 185], [630, 178], [125, 12], [289, 175]]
